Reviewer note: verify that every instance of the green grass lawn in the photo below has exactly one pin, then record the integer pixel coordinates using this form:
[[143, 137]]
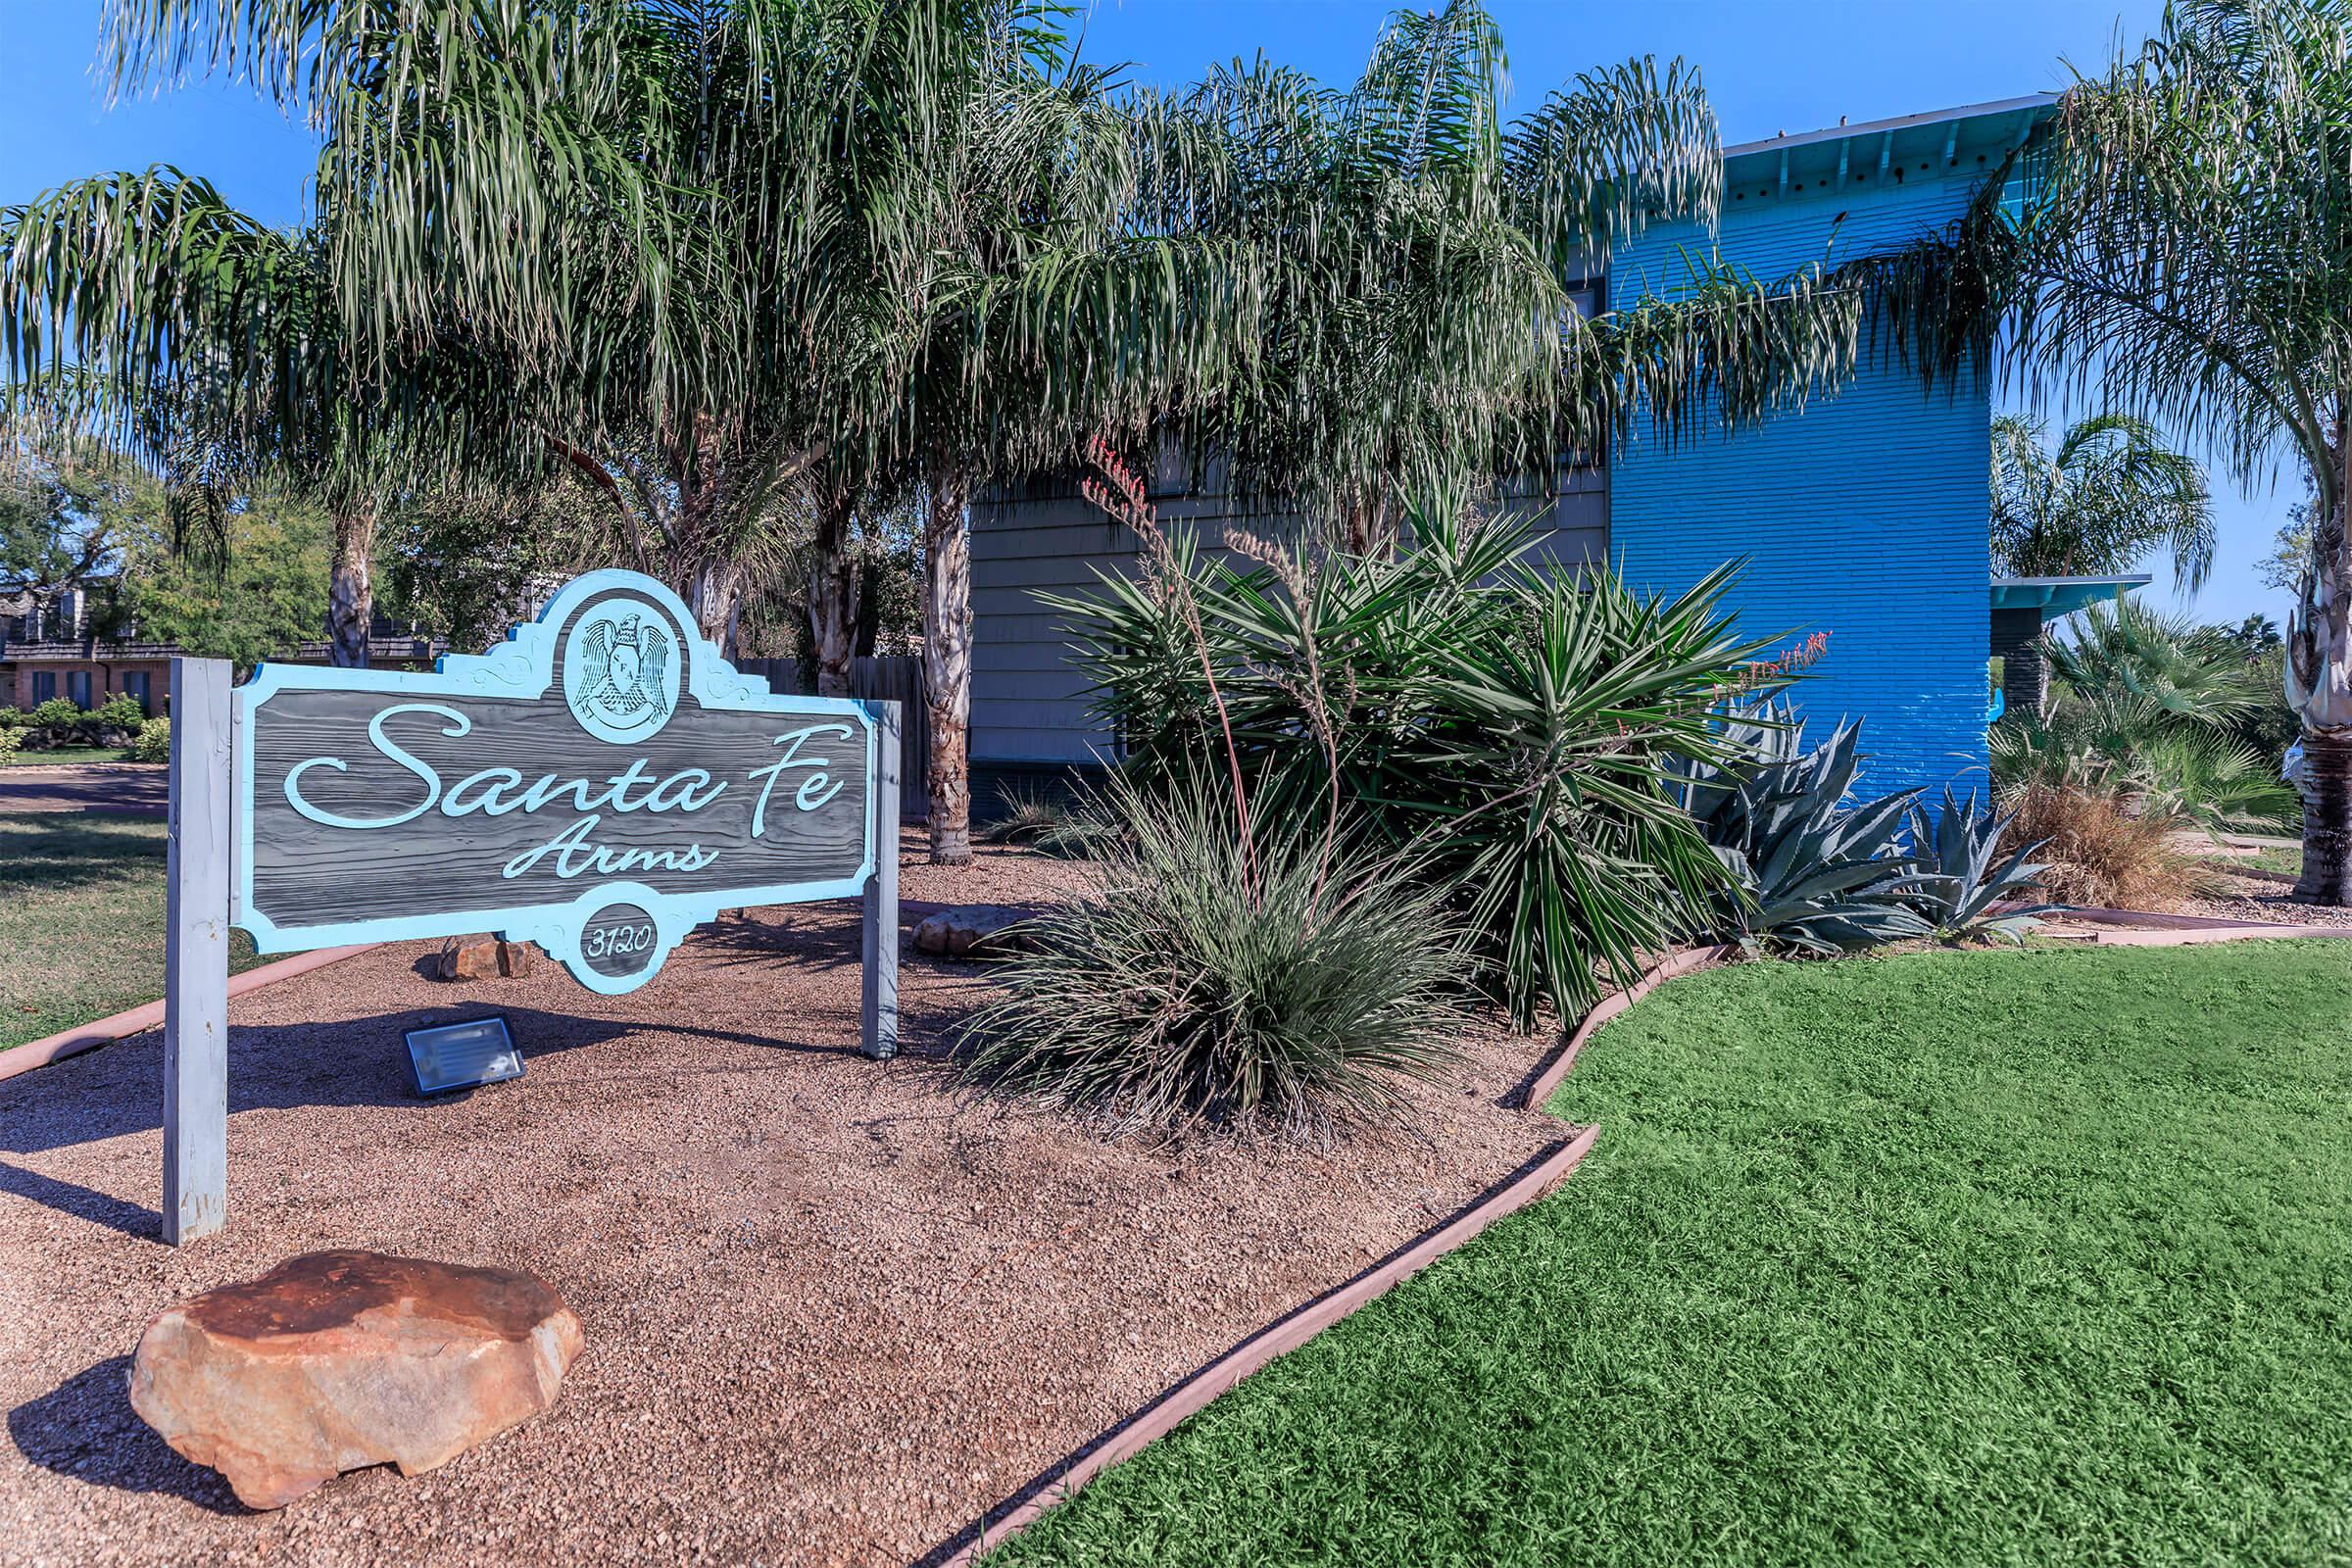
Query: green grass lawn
[[2002, 1258], [61, 755], [82, 921]]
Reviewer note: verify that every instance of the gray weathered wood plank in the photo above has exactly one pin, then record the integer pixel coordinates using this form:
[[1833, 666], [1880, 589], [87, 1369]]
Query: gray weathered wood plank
[[878, 1008], [196, 954]]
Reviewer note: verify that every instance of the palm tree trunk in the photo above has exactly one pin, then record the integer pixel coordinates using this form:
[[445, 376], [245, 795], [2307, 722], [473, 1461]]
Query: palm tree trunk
[[350, 593], [2326, 818], [948, 665], [713, 591], [833, 598], [2319, 687]]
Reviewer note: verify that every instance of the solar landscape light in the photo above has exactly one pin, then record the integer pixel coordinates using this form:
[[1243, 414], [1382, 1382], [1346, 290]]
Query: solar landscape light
[[450, 1057]]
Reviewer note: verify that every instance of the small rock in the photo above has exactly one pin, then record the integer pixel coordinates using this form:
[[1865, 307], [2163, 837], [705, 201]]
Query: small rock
[[975, 931], [515, 958], [468, 961], [335, 1360]]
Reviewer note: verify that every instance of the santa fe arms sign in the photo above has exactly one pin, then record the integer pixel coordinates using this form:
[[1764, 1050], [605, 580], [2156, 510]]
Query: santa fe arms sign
[[599, 784]]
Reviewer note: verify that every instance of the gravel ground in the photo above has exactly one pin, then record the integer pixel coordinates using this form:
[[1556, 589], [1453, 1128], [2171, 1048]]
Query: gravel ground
[[2258, 899], [834, 1309]]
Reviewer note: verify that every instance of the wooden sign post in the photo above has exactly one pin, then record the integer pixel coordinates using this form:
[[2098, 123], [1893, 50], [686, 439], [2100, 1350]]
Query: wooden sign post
[[600, 784], [196, 954]]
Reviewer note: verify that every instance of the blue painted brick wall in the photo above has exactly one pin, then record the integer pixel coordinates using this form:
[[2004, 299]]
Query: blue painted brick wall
[[1863, 517]]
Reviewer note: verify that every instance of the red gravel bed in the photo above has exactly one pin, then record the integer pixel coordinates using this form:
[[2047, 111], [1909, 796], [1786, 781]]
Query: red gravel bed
[[835, 1309], [2248, 897]]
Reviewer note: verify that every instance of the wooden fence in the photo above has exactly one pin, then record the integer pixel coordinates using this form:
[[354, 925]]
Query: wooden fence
[[883, 678]]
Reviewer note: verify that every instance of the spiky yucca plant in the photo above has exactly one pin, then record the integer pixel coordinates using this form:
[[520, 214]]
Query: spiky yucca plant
[[1504, 730]]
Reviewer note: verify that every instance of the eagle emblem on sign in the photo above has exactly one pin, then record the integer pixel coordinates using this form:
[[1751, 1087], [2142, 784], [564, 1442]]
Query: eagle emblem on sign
[[622, 687]]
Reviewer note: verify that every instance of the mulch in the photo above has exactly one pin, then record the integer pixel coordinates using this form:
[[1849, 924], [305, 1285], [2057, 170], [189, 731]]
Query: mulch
[[836, 1310]]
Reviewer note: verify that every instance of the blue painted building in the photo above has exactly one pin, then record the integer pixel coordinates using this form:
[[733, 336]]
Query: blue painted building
[[1864, 515]]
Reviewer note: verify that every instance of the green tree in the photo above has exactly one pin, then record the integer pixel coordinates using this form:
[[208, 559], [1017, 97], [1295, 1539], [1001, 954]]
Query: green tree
[[267, 593], [216, 349], [2107, 495], [2290, 549], [689, 231], [1417, 258], [69, 507]]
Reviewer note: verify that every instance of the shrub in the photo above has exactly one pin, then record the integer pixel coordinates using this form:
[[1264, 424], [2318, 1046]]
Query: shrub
[[1046, 824], [1811, 871], [2098, 851], [1503, 729], [12, 741], [119, 711], [153, 742], [2148, 713], [12, 718], [1961, 875], [57, 716], [1209, 979]]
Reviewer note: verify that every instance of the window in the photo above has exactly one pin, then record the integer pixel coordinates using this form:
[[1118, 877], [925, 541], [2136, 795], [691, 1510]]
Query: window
[[44, 686], [77, 687], [138, 683]]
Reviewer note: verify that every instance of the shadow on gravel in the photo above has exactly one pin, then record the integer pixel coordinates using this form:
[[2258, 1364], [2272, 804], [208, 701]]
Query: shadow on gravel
[[82, 1202], [86, 1428], [114, 1092]]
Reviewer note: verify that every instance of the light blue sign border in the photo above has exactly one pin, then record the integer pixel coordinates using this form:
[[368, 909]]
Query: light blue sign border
[[524, 669]]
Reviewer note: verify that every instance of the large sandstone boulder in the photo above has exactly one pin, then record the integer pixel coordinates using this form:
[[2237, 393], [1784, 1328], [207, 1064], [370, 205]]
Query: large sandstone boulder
[[974, 931], [335, 1360]]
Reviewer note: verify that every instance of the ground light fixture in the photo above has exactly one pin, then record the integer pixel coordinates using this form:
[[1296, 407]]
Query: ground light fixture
[[450, 1057]]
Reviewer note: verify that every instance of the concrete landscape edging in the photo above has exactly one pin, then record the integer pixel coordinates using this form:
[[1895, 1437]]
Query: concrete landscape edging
[[1192, 1395], [1681, 961], [149, 1014]]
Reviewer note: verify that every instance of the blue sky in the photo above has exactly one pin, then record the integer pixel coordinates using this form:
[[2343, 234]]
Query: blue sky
[[1770, 66]]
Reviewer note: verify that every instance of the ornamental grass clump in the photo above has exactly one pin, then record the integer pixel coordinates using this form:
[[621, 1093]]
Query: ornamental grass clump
[[2100, 851], [1032, 819], [1212, 980]]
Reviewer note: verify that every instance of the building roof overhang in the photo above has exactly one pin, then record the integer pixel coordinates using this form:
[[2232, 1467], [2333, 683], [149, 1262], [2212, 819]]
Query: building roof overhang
[[2062, 596], [1910, 146]]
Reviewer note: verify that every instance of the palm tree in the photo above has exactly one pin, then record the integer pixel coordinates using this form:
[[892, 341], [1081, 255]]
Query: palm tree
[[211, 345], [2187, 246], [1412, 259], [690, 232], [2110, 493]]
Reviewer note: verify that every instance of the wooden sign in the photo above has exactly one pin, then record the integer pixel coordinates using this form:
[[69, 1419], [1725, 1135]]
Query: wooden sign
[[599, 785]]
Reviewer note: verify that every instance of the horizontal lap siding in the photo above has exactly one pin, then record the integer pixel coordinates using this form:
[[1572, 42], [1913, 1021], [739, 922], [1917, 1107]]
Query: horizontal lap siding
[[1030, 703], [1863, 517]]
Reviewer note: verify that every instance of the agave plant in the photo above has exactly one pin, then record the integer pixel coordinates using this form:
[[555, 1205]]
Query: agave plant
[[1813, 873], [1961, 876]]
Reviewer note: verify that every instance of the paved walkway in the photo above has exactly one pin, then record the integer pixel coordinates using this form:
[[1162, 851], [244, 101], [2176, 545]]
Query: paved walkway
[[126, 789]]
